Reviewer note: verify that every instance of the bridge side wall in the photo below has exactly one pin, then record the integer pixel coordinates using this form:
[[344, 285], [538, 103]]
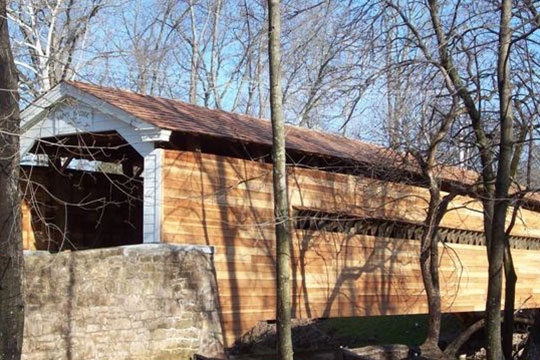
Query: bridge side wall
[[227, 203]]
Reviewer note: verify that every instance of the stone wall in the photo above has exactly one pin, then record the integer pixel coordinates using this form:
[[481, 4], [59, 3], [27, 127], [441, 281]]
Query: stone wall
[[153, 301]]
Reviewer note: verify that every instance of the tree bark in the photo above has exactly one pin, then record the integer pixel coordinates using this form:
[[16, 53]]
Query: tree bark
[[213, 70], [509, 301], [429, 245], [194, 70], [281, 203], [511, 280], [510, 274], [502, 184], [11, 259], [429, 264]]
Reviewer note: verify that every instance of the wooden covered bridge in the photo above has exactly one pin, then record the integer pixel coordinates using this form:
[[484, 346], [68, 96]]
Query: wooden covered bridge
[[103, 167]]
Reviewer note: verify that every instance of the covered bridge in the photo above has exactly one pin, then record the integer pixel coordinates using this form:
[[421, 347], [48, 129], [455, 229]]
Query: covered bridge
[[104, 167]]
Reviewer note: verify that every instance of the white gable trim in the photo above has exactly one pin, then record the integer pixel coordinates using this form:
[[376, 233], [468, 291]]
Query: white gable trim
[[142, 131], [33, 113], [48, 117], [39, 108], [79, 118]]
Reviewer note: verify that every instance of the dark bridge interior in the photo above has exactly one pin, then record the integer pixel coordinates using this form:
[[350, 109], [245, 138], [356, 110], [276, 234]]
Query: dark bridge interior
[[82, 191]]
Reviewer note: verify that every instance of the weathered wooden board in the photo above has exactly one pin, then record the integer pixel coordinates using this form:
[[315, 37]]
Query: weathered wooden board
[[227, 203]]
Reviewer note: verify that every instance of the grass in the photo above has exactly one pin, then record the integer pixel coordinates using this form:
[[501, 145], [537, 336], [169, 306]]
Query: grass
[[403, 329]]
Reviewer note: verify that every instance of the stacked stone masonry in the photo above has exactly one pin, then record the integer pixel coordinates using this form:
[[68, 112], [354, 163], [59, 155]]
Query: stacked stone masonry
[[133, 302]]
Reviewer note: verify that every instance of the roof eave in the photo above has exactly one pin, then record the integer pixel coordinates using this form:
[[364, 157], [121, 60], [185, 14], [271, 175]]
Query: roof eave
[[39, 108]]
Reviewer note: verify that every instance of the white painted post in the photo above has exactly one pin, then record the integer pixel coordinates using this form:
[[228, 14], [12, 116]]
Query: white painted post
[[153, 199]]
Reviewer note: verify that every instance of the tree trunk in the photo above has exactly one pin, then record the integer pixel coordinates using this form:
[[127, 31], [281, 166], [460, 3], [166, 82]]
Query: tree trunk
[[509, 301], [11, 259], [509, 269], [493, 304], [429, 244], [429, 258], [281, 203], [429, 264], [213, 70], [194, 69], [502, 184]]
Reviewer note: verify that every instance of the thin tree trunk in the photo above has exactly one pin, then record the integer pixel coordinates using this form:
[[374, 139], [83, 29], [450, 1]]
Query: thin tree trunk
[[510, 274], [429, 255], [502, 184], [281, 204], [259, 80], [509, 300], [11, 259], [213, 70], [429, 264], [194, 56], [429, 258]]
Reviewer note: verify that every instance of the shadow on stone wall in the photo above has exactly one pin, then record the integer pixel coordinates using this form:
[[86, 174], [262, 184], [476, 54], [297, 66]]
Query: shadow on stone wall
[[154, 301]]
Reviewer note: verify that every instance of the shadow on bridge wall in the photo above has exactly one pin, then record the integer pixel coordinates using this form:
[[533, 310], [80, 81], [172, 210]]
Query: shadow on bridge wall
[[227, 203]]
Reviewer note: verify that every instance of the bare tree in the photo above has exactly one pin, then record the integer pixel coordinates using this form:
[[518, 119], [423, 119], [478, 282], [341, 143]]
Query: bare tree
[[502, 184], [213, 52], [11, 257], [49, 37], [429, 248], [427, 141], [145, 49], [281, 202], [495, 184], [455, 41], [395, 58]]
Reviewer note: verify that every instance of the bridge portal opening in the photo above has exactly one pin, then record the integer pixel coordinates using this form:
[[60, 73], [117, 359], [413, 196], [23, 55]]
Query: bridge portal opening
[[82, 191]]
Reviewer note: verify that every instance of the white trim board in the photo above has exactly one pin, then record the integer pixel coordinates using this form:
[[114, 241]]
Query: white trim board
[[153, 196], [134, 130]]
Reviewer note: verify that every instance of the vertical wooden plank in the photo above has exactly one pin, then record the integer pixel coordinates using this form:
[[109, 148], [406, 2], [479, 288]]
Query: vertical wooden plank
[[28, 233]]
